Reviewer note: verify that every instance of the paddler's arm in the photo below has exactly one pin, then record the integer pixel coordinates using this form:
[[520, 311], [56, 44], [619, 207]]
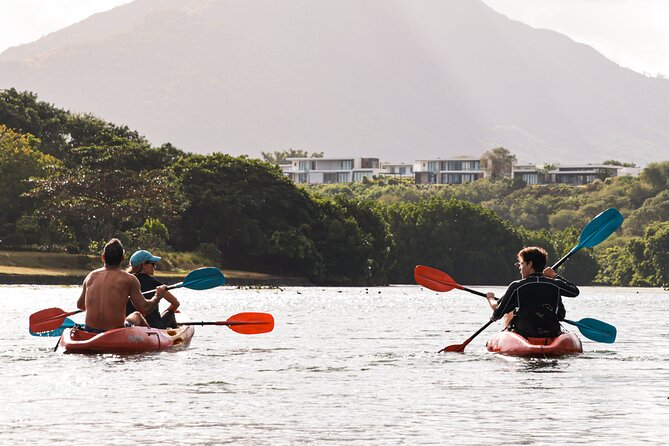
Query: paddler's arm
[[137, 298], [566, 287], [502, 306], [174, 303], [81, 302]]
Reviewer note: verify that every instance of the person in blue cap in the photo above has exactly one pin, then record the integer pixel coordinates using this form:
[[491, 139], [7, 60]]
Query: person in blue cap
[[143, 266]]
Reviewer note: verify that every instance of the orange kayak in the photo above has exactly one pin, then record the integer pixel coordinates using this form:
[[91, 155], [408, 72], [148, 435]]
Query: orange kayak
[[126, 340], [512, 344]]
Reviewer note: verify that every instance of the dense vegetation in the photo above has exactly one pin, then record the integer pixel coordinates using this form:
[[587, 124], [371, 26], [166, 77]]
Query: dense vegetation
[[69, 182]]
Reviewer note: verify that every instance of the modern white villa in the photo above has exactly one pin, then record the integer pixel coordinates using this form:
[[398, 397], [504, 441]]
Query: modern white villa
[[529, 173], [580, 174], [453, 170], [398, 170], [457, 170], [331, 170]]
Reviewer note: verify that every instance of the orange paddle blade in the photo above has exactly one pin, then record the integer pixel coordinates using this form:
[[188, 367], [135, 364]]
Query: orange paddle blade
[[434, 279], [250, 323], [49, 319]]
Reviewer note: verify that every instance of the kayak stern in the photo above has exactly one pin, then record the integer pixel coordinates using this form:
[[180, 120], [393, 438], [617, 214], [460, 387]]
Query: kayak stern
[[512, 344], [126, 340]]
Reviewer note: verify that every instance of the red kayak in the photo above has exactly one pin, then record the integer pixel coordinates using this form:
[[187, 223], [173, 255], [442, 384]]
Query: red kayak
[[513, 344], [126, 340]]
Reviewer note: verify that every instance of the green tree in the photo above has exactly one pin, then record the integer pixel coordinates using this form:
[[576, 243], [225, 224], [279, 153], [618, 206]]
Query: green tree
[[280, 157], [656, 176], [498, 163], [100, 204], [375, 232], [657, 250], [468, 241], [152, 235], [618, 163], [24, 113], [19, 161], [239, 205]]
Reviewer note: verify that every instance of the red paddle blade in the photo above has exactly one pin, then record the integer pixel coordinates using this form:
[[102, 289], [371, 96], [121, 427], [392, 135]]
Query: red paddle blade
[[49, 319], [434, 279], [457, 348], [250, 323]]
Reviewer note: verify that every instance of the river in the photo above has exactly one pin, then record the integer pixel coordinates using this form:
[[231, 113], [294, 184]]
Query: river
[[351, 366]]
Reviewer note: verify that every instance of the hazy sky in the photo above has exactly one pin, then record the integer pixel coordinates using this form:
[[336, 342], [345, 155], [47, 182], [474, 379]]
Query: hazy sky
[[632, 33]]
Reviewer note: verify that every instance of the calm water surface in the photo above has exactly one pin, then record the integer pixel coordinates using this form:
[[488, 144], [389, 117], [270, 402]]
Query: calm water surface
[[343, 366]]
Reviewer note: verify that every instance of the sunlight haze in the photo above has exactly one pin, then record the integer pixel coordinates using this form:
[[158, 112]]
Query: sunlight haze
[[632, 33]]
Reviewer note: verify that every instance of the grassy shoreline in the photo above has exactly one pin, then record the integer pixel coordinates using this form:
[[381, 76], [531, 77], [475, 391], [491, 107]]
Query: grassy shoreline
[[38, 268]]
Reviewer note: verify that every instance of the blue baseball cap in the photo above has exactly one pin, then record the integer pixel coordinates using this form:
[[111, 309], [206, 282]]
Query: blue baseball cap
[[142, 256]]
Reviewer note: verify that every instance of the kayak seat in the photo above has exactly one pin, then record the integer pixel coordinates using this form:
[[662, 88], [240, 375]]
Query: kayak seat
[[540, 341]]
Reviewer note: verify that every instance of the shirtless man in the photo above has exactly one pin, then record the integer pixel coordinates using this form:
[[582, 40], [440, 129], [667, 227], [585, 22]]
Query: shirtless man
[[106, 290]]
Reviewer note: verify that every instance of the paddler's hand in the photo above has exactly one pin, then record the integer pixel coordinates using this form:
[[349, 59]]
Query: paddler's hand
[[492, 300], [548, 272], [160, 291]]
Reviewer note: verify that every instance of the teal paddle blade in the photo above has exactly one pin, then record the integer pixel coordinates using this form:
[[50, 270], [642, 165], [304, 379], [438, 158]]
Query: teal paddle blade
[[595, 330], [600, 228], [68, 323], [203, 279]]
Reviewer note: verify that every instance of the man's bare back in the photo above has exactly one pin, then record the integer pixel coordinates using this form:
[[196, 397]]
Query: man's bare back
[[104, 296]]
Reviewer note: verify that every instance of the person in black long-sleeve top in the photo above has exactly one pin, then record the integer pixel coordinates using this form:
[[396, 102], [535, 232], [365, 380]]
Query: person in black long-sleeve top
[[532, 306], [143, 266]]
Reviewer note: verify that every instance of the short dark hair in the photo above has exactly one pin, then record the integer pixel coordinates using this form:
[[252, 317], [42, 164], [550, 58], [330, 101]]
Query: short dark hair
[[113, 252], [538, 257]]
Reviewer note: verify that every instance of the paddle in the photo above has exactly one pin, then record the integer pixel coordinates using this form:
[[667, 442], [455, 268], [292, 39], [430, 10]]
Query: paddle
[[596, 330], [244, 323], [437, 280], [199, 279], [440, 281], [49, 319], [595, 232], [69, 323]]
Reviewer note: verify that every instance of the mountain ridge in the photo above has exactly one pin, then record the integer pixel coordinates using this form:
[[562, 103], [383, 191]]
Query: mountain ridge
[[384, 78]]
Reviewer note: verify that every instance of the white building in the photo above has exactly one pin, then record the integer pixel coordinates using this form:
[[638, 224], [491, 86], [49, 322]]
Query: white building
[[580, 173], [457, 170], [397, 170], [330, 170], [529, 173]]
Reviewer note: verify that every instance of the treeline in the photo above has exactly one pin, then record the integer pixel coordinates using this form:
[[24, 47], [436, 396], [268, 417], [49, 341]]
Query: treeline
[[553, 215], [69, 182]]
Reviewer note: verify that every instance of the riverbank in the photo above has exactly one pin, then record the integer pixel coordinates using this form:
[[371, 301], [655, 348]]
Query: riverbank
[[36, 268]]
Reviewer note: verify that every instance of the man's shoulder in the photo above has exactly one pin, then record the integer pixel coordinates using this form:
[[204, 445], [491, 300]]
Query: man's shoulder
[[95, 272]]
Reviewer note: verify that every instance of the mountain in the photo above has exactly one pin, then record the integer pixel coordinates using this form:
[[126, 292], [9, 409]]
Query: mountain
[[396, 79]]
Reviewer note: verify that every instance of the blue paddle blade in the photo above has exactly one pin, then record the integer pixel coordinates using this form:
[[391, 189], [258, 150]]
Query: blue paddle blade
[[68, 323], [595, 330], [203, 279], [600, 228]]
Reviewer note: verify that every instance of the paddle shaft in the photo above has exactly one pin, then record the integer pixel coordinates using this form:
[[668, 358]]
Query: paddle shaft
[[170, 287], [244, 323], [228, 323], [478, 293], [566, 256], [461, 347]]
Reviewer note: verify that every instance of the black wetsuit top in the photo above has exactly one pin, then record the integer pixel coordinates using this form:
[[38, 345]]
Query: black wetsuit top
[[147, 283], [537, 303]]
